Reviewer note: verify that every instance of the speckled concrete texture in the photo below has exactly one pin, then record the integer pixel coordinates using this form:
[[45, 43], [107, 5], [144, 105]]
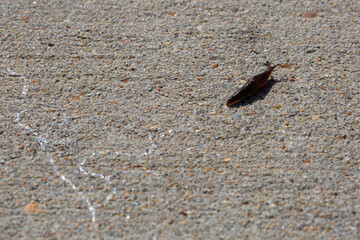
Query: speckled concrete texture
[[114, 124]]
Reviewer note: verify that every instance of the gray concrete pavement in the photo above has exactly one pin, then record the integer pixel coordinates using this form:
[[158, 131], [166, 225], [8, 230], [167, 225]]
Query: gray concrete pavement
[[114, 124]]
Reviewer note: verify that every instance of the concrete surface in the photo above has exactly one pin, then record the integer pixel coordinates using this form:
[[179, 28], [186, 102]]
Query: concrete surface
[[114, 124]]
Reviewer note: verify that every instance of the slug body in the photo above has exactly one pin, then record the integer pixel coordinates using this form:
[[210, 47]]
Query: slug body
[[251, 86]]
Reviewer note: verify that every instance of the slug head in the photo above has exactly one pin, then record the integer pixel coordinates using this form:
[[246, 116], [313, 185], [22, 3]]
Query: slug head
[[268, 64]]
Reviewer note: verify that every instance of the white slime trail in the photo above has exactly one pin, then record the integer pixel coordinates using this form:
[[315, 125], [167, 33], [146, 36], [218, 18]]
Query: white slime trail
[[43, 142]]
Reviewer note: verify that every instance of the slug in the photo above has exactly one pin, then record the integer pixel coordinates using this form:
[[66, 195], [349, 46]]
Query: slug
[[252, 85]]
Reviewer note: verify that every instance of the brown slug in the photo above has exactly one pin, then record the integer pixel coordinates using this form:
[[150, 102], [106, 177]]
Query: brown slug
[[251, 86]]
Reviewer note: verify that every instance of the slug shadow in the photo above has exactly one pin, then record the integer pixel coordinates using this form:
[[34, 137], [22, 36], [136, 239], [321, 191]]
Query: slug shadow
[[259, 94]]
